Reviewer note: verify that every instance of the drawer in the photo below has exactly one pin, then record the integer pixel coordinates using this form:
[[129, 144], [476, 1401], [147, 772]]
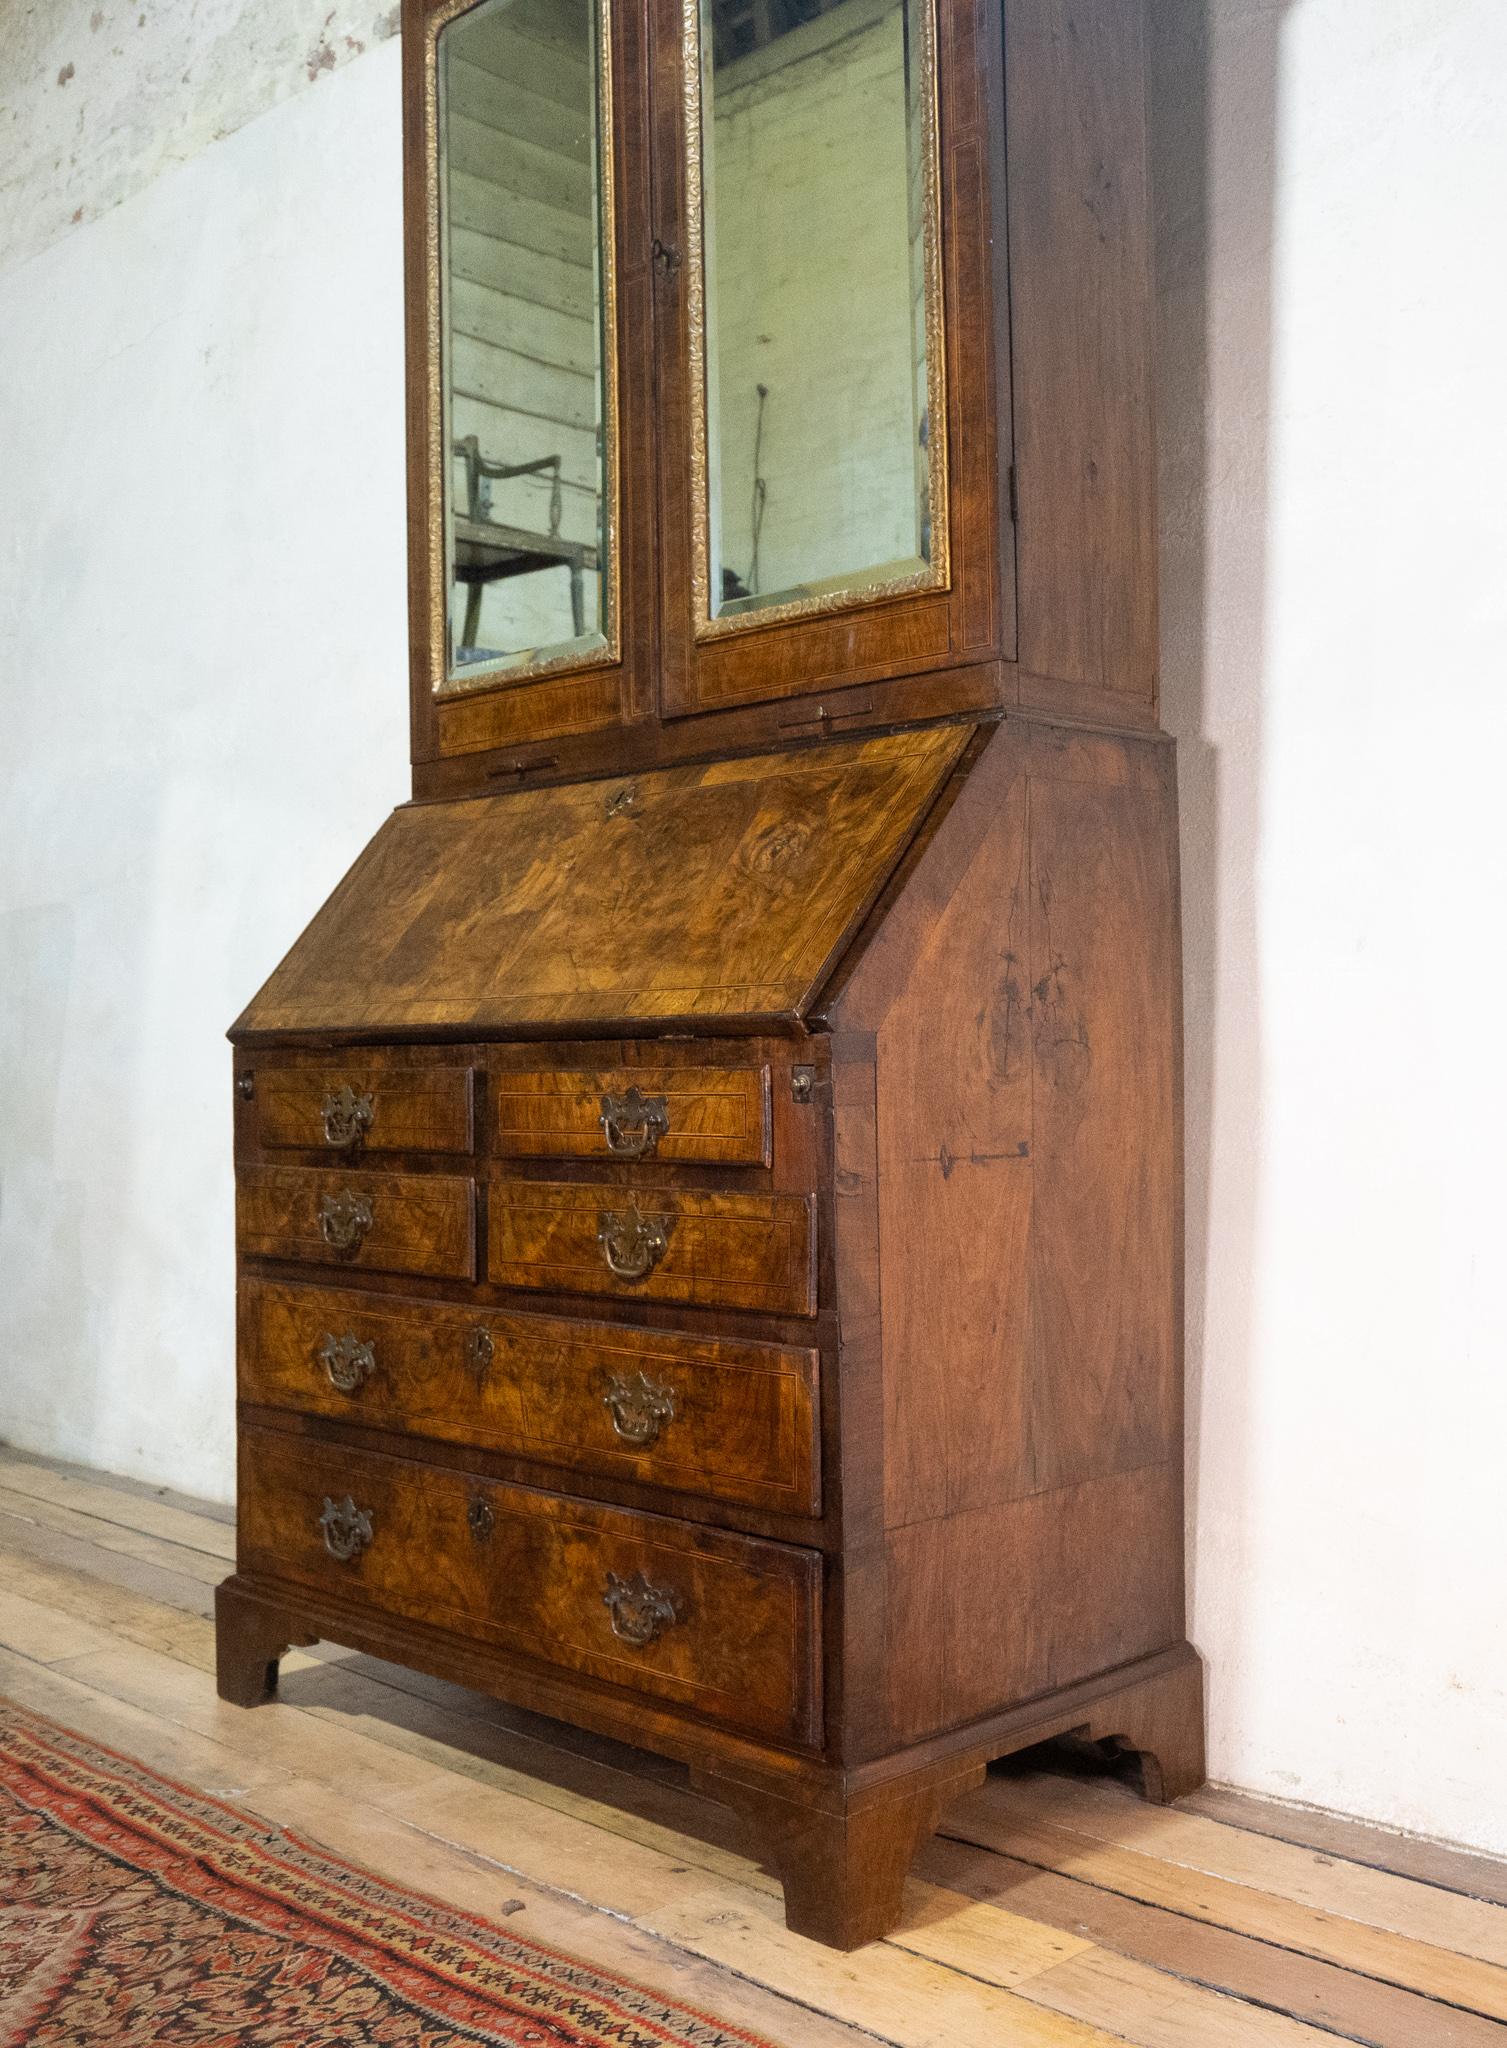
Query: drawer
[[654, 1243], [723, 1625], [704, 1415], [692, 1116], [382, 1222], [373, 1109]]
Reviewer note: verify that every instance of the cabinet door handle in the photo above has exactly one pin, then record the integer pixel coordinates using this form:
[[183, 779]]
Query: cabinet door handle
[[344, 1219], [347, 1529], [640, 1610], [639, 1408], [633, 1124], [632, 1245], [348, 1117], [349, 1362]]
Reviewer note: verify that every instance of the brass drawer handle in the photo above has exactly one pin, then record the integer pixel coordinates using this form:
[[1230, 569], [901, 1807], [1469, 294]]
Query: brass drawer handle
[[640, 1610], [344, 1219], [349, 1362], [347, 1117], [347, 1529], [639, 1407], [632, 1245], [481, 1349], [633, 1124]]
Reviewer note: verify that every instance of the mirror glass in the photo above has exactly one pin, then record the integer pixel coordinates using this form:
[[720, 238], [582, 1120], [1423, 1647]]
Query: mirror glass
[[525, 295], [818, 243]]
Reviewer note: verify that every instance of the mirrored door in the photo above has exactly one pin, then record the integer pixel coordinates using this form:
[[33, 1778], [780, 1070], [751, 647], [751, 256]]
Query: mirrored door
[[815, 307], [525, 301]]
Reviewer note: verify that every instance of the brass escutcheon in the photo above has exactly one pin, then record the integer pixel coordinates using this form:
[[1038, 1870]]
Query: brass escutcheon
[[348, 1361], [344, 1219], [481, 1349], [632, 1245], [640, 1610], [347, 1529], [633, 1124], [347, 1117], [639, 1408], [480, 1519]]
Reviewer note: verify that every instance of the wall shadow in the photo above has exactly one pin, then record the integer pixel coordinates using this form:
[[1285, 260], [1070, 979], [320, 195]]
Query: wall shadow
[[1215, 69]]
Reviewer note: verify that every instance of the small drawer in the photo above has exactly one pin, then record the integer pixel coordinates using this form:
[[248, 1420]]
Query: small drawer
[[654, 1243], [702, 1415], [377, 1222], [367, 1109], [691, 1116], [725, 1626]]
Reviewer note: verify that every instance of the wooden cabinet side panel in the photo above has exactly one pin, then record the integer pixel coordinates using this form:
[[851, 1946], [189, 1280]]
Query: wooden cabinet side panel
[[1083, 322], [1025, 1015]]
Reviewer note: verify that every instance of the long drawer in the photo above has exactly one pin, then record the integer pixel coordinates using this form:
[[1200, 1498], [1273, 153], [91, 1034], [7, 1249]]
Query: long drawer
[[703, 1415], [382, 1222], [725, 1626], [654, 1243]]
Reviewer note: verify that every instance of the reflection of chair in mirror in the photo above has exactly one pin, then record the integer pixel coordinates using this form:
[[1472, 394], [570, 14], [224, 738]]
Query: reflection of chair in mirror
[[486, 551]]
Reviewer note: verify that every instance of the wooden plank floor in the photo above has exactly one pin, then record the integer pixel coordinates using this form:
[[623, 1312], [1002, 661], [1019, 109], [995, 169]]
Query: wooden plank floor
[[1055, 1910]]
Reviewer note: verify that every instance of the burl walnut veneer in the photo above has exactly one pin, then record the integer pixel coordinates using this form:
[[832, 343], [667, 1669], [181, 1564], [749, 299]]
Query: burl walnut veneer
[[708, 1180]]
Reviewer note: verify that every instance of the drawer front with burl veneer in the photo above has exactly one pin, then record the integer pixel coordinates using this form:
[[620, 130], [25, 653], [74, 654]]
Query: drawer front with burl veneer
[[726, 1627], [680, 1115], [654, 1244], [377, 1222], [353, 1109], [708, 1416]]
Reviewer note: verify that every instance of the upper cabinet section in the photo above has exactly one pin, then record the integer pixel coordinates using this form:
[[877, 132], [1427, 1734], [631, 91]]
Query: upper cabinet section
[[712, 403]]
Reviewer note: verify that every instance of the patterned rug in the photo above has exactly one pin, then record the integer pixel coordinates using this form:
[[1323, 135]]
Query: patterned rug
[[134, 1911]]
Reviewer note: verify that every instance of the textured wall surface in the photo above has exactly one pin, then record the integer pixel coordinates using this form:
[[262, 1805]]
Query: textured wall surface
[[97, 97], [1334, 420], [202, 646]]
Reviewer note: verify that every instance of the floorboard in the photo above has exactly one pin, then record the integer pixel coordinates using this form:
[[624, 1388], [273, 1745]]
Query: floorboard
[[1055, 1910]]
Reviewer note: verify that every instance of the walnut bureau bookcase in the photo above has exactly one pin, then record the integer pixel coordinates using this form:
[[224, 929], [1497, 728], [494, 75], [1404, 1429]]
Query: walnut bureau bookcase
[[708, 1180]]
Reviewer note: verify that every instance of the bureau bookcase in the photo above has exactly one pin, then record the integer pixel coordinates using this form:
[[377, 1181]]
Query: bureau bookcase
[[708, 1181]]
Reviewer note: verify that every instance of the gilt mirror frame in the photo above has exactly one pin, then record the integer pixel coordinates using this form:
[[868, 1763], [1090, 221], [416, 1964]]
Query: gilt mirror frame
[[935, 574], [431, 483]]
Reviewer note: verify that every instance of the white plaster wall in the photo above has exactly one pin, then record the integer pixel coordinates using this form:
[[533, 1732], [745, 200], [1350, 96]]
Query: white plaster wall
[[202, 652], [1335, 608]]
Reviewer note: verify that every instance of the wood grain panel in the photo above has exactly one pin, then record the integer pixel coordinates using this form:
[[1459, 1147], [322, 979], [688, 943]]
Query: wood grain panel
[[690, 893], [546, 710], [741, 1424], [1080, 269], [412, 1109], [419, 1223], [722, 1251], [530, 1571], [1008, 1602], [956, 1196], [714, 1116], [1105, 1346]]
